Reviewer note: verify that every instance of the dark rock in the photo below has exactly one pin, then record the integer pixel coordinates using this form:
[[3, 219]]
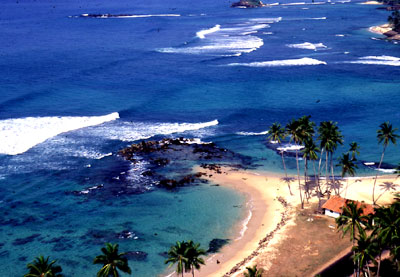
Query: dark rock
[[163, 254], [26, 240], [216, 244], [4, 253], [248, 4], [23, 258], [136, 255]]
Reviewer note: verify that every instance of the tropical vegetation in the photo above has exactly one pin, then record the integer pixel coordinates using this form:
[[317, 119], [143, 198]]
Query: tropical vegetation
[[111, 261], [253, 271], [41, 267], [372, 235], [187, 256]]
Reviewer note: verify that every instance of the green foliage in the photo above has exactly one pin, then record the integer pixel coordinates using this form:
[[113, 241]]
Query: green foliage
[[41, 267], [276, 133], [347, 164], [351, 219], [112, 261], [253, 272], [187, 256]]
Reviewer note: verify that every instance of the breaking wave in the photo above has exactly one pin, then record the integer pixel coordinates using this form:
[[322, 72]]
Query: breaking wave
[[290, 62], [308, 45], [252, 133], [377, 60], [230, 40], [18, 135]]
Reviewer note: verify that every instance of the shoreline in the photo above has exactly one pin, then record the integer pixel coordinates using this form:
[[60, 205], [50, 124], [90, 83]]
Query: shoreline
[[386, 30], [272, 210]]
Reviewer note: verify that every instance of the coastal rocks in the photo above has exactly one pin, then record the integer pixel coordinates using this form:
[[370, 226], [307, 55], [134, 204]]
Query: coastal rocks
[[188, 179], [216, 244], [248, 4], [25, 240], [136, 255]]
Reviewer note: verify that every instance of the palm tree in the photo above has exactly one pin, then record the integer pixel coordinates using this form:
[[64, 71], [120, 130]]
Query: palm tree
[[329, 137], [253, 272], [386, 134], [277, 133], [354, 150], [112, 261], [397, 170], [176, 255], [364, 251], [310, 152], [351, 220], [193, 253], [348, 167], [293, 129], [41, 267]]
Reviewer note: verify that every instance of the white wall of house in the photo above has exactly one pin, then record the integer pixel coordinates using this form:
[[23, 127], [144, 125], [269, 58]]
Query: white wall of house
[[331, 213]]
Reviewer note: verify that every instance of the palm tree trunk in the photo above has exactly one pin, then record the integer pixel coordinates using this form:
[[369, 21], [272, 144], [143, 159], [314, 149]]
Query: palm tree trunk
[[326, 167], [192, 270], [319, 193], [284, 167], [305, 180], [298, 177], [379, 264], [333, 175], [319, 165], [376, 176]]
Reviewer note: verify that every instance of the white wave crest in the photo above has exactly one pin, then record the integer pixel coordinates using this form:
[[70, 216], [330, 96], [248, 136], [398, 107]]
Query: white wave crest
[[17, 135], [131, 131], [377, 60], [202, 34], [308, 45], [252, 133], [129, 15], [232, 40], [291, 62]]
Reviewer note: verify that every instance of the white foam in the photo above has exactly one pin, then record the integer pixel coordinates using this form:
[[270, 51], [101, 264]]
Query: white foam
[[318, 18], [269, 20], [387, 170], [294, 4], [131, 131], [290, 147], [369, 163], [308, 45], [17, 135], [202, 34], [291, 62], [339, 35], [377, 60], [252, 133], [131, 16], [225, 41]]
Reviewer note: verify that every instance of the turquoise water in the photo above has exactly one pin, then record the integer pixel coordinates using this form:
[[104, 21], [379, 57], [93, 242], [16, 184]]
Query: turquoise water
[[75, 90]]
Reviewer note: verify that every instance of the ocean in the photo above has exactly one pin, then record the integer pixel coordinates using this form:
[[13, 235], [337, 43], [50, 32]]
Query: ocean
[[80, 80]]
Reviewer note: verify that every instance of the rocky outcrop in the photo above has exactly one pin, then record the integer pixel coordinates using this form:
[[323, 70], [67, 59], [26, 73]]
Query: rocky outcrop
[[248, 4]]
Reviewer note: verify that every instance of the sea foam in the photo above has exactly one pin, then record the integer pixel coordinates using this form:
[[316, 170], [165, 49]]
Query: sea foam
[[202, 34], [252, 133], [277, 63], [377, 60], [308, 45], [17, 135]]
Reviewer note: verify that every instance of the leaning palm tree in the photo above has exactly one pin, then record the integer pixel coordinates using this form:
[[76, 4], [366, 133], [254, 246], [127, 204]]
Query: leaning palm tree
[[193, 254], [112, 261], [386, 134], [177, 255], [277, 134], [253, 272], [41, 267], [354, 150], [348, 167]]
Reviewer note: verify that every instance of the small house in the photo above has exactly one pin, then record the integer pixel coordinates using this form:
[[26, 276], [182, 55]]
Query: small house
[[333, 207]]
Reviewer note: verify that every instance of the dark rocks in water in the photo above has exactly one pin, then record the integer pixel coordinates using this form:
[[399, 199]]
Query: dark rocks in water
[[374, 165], [216, 244], [1, 245], [188, 179], [22, 258], [213, 167], [126, 234], [62, 246], [136, 255], [163, 254], [160, 161], [4, 253], [247, 4], [148, 173], [26, 240]]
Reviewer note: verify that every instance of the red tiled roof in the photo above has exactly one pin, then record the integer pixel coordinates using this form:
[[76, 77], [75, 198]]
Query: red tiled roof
[[336, 203]]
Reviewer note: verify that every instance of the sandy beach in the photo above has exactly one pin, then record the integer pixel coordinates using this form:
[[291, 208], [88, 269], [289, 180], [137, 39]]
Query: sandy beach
[[269, 216]]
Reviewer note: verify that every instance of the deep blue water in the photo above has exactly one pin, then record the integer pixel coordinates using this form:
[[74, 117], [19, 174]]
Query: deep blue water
[[120, 80]]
